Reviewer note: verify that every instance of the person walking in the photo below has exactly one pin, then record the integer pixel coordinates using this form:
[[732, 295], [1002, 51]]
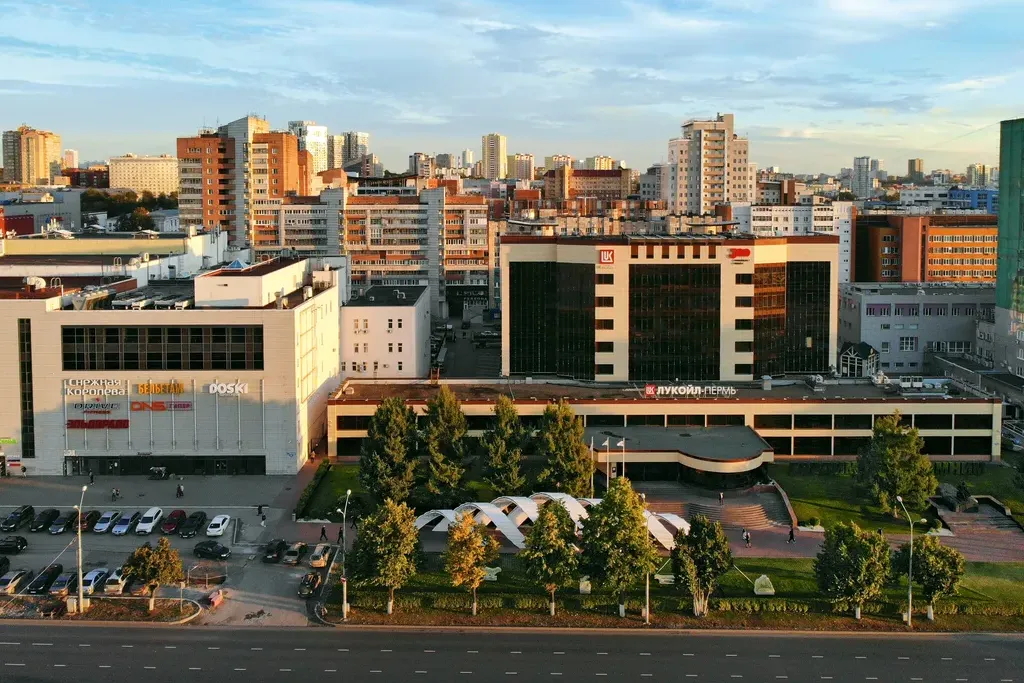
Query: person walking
[[113, 495], [341, 533], [259, 510], [721, 498], [263, 521], [792, 534], [323, 533], [748, 539], [181, 490], [92, 478]]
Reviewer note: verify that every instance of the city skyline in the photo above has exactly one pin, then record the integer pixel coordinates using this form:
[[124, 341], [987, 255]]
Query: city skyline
[[590, 82]]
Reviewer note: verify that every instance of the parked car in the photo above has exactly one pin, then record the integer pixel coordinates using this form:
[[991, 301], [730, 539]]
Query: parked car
[[126, 523], [107, 521], [66, 521], [13, 580], [310, 582], [173, 521], [212, 550], [12, 545], [20, 516], [87, 522], [44, 519], [44, 579], [218, 525], [93, 581], [149, 521], [321, 555], [114, 584], [66, 584], [274, 550], [295, 553], [137, 588], [192, 525]]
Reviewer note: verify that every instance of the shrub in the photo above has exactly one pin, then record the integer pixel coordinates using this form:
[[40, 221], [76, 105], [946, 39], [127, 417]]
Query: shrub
[[307, 494], [813, 521]]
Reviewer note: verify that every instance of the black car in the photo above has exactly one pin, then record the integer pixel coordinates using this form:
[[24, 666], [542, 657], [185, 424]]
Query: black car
[[275, 550], [22, 515], [44, 579], [66, 521], [193, 525], [212, 550], [5, 565], [44, 519], [12, 545], [87, 522], [310, 582]]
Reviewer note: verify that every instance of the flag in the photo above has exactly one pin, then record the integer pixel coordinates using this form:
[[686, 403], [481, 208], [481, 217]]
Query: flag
[[621, 444], [605, 444]]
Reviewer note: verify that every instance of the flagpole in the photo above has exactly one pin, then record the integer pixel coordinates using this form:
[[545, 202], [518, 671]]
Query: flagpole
[[592, 467], [623, 442], [607, 463]]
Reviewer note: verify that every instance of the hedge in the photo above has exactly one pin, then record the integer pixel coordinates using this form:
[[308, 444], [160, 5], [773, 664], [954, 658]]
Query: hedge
[[307, 493]]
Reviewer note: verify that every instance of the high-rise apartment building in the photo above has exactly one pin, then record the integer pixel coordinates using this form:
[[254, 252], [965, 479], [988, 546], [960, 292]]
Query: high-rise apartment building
[[421, 164], [70, 158], [599, 163], [915, 170], [979, 175], [357, 145], [31, 156], [445, 160], [335, 151], [494, 156], [860, 181], [158, 175], [467, 158], [520, 166], [557, 161], [709, 165], [877, 165], [313, 139]]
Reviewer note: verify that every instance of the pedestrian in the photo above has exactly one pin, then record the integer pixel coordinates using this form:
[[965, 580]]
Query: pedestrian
[[341, 533], [92, 478], [263, 521], [259, 510], [113, 495], [748, 539], [721, 498], [323, 533], [181, 489], [792, 534]]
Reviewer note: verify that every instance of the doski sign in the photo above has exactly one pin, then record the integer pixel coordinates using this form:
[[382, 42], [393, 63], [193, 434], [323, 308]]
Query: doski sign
[[229, 388], [687, 391]]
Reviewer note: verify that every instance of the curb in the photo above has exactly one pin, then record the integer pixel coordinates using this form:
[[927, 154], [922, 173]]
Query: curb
[[106, 622]]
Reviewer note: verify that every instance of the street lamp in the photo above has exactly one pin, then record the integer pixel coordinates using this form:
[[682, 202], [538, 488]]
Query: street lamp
[[647, 579], [910, 566], [344, 545], [81, 590], [181, 589]]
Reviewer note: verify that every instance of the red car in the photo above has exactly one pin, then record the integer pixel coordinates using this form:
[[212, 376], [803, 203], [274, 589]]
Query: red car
[[173, 521]]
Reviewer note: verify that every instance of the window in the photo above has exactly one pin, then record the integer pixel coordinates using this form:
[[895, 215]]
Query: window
[[391, 323], [605, 279], [391, 348], [366, 324], [885, 326], [908, 343], [366, 348], [744, 302], [605, 347], [399, 366], [234, 347], [885, 347], [604, 302], [744, 347], [744, 369], [399, 347], [773, 422], [399, 323], [604, 324], [355, 348], [604, 369], [745, 324], [744, 278]]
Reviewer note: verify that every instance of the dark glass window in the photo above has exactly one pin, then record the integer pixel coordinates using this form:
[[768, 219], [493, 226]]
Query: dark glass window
[[238, 347], [812, 421], [850, 445], [604, 302], [674, 323], [972, 422], [645, 420], [353, 422], [744, 278], [604, 324], [808, 286], [685, 420], [812, 445], [782, 445], [744, 302], [744, 347], [743, 369], [744, 324], [605, 347], [28, 410], [905, 420], [972, 445], [551, 319], [773, 421], [853, 422], [725, 420], [769, 282], [605, 420], [938, 445], [604, 369], [933, 421], [605, 279]]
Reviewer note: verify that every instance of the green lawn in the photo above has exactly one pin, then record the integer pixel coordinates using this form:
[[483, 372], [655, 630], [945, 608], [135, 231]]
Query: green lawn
[[331, 489], [996, 481]]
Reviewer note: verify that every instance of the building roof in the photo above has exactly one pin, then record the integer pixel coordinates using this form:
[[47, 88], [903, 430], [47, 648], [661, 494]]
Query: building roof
[[388, 296], [44, 260], [918, 288], [627, 239], [719, 444], [108, 235], [862, 350], [15, 287], [546, 392], [372, 200], [239, 269]]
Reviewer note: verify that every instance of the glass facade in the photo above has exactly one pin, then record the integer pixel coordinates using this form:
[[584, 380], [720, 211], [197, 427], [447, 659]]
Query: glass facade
[[674, 322], [791, 317], [551, 302], [769, 319], [28, 422], [228, 347], [1010, 275]]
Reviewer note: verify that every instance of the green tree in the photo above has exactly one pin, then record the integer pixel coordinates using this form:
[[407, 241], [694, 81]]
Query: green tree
[[138, 219], [443, 436], [504, 442], [845, 196], [892, 465], [154, 567], [386, 541], [617, 548], [568, 464], [1018, 478], [148, 200], [699, 559], [387, 468], [550, 554], [470, 549], [852, 566], [938, 569]]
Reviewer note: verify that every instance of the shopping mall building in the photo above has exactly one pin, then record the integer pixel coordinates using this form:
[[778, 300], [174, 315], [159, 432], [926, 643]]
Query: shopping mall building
[[227, 372]]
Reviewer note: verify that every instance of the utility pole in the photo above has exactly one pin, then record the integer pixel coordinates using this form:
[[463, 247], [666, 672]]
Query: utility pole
[[81, 590]]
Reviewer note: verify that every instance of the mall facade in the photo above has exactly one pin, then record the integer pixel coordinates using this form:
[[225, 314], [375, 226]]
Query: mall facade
[[228, 372]]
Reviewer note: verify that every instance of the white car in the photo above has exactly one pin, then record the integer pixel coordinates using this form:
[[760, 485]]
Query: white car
[[218, 525], [149, 521], [321, 554], [114, 585], [93, 581]]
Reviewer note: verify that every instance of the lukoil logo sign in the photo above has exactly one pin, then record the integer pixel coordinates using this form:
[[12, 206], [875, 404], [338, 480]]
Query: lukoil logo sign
[[229, 388], [606, 257], [687, 391]]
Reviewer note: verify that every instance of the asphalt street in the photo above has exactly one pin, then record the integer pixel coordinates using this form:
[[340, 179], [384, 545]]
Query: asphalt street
[[35, 653]]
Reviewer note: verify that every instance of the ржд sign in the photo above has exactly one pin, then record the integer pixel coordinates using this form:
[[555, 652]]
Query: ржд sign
[[687, 391]]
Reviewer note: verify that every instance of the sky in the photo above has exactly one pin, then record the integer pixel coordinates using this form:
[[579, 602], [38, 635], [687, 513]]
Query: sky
[[813, 83]]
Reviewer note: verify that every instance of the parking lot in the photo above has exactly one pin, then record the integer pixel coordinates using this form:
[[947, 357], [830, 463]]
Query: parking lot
[[464, 357]]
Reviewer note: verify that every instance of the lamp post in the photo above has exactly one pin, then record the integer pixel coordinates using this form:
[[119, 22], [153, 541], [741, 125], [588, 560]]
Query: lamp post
[[181, 589], [81, 590], [344, 531], [647, 580], [910, 567]]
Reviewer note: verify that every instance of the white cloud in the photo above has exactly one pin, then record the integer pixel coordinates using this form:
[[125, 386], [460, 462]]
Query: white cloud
[[969, 84]]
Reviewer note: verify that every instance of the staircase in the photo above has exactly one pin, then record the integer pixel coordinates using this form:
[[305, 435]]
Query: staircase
[[741, 510]]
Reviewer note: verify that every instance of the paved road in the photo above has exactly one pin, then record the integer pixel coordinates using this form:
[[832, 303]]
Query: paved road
[[140, 655]]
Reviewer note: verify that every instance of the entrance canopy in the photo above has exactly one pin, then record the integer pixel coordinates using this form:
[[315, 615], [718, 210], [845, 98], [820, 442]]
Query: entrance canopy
[[726, 450]]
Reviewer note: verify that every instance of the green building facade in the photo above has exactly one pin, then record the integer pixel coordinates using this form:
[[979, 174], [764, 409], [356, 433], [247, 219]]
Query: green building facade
[[1010, 276]]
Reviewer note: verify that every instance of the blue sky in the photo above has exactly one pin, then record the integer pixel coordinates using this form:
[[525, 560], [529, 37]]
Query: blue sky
[[812, 82]]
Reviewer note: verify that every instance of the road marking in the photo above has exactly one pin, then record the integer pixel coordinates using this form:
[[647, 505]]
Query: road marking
[[600, 674], [300, 649], [149, 667], [330, 671], [473, 652], [421, 672], [736, 676], [213, 648], [239, 669], [782, 676], [84, 645], [560, 653], [917, 679], [12, 664], [903, 658], [987, 659], [685, 654], [169, 647], [255, 648], [817, 656], [42, 644], [870, 678], [194, 668], [732, 655], [6, 643], [511, 673], [602, 653], [645, 654], [342, 649], [774, 656], [947, 659], [465, 672], [961, 679], [104, 666], [127, 646], [428, 650], [516, 652], [385, 650], [860, 657], [284, 669], [691, 675], [59, 666], [375, 671]]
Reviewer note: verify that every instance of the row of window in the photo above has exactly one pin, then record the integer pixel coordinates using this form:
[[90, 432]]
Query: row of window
[[225, 347], [358, 366]]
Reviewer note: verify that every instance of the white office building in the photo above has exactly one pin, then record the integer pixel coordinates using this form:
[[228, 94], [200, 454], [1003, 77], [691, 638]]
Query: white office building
[[709, 165], [386, 334], [494, 156], [861, 182], [158, 175]]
